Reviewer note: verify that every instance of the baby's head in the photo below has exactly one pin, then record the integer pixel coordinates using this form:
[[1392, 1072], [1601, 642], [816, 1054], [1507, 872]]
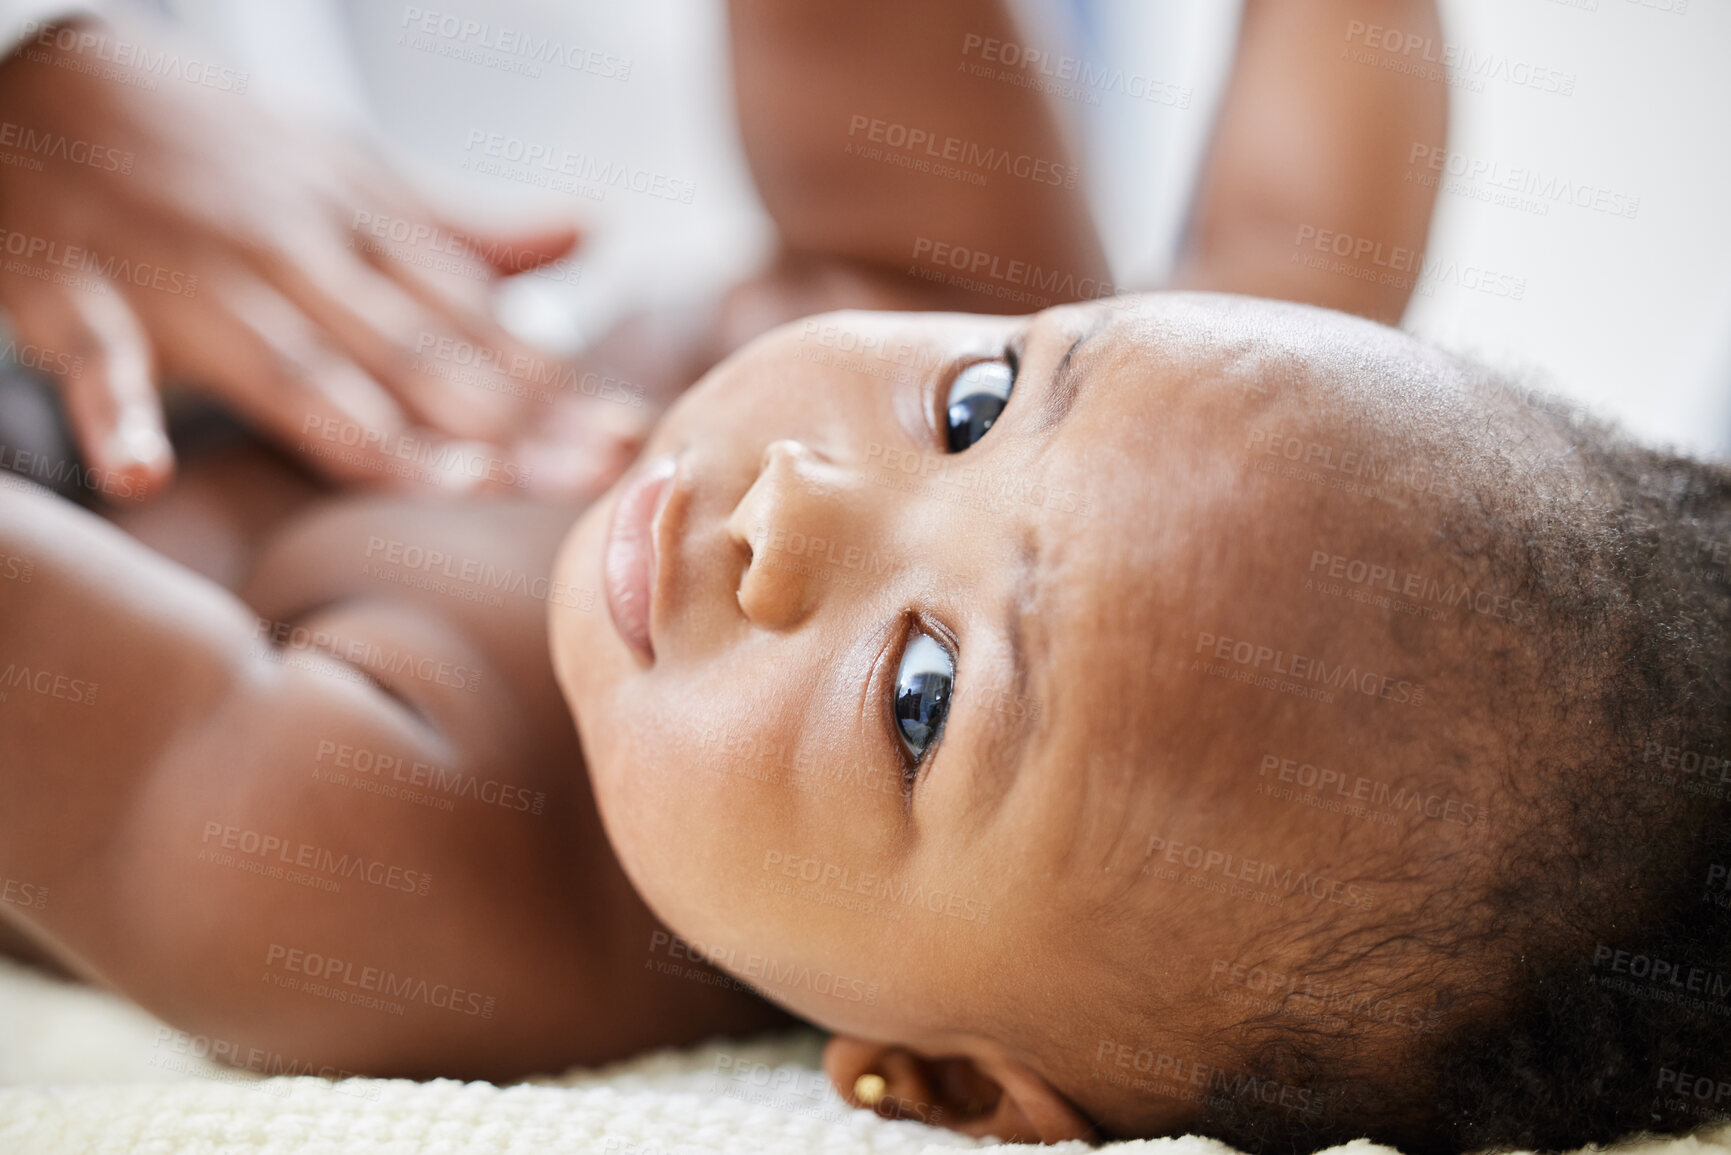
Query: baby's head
[[1172, 713]]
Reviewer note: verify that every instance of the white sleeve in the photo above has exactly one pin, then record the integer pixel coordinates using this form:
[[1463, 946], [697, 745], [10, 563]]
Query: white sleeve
[[22, 20]]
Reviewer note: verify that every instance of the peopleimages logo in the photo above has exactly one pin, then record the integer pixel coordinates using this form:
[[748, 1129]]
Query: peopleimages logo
[[979, 263], [57, 146], [101, 48], [1378, 578], [456, 36], [1070, 77], [1207, 1080], [876, 887], [583, 170], [765, 969], [322, 970], [1550, 188], [1461, 64], [276, 849], [1309, 668], [47, 683], [928, 143], [1358, 788], [1208, 860], [42, 257]]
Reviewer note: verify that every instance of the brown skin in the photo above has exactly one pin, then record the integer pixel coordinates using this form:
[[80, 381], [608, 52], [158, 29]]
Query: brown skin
[[1311, 138], [762, 667], [896, 62], [296, 317], [299, 314], [1305, 137], [200, 723], [266, 299], [749, 776], [847, 225]]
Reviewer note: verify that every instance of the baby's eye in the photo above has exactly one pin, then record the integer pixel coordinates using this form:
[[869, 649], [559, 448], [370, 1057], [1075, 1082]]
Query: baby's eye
[[922, 695], [977, 396]]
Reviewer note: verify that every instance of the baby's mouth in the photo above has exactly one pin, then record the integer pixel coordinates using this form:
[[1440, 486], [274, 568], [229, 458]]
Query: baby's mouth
[[629, 563]]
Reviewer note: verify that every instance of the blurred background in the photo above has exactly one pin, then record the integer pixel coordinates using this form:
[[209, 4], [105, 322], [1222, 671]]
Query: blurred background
[[1596, 201]]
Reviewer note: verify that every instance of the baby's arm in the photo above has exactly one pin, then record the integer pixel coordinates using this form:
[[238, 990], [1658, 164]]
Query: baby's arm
[[151, 739], [1317, 140], [834, 97], [816, 87]]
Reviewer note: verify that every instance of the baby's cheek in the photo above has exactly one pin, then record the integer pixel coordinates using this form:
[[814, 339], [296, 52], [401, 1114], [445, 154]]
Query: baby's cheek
[[684, 791]]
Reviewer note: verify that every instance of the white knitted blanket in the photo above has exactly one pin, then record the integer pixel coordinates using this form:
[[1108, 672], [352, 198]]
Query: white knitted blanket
[[85, 1073]]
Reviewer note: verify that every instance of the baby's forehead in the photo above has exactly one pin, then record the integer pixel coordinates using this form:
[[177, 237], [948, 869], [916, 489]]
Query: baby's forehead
[[1194, 354], [1206, 428], [1193, 538]]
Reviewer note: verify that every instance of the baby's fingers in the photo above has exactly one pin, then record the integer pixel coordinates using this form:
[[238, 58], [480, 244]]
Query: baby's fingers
[[93, 345]]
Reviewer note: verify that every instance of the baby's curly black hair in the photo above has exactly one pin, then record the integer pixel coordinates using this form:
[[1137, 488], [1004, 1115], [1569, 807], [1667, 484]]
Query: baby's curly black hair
[[1599, 920]]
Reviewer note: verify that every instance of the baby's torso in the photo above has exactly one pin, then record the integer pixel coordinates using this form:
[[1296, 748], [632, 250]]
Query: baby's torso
[[496, 878]]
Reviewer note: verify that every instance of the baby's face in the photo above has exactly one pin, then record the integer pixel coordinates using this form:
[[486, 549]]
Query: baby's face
[[930, 692]]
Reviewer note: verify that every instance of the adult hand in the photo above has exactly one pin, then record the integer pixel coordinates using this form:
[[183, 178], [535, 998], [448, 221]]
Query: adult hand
[[152, 228]]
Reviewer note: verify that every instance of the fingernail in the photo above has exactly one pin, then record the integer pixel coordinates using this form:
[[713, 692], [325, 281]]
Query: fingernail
[[137, 438], [363, 402], [558, 470], [462, 466]]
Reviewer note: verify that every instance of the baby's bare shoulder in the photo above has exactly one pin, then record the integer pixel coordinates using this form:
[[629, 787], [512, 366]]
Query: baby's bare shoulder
[[347, 823]]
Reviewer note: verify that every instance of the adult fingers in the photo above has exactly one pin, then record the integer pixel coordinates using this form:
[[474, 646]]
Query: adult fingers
[[407, 216], [521, 251], [457, 277], [395, 338], [453, 260], [428, 258], [582, 448], [449, 265], [90, 341], [459, 289], [262, 355]]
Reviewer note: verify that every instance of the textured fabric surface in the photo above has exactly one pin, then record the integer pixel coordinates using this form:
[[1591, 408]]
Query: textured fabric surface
[[85, 1073]]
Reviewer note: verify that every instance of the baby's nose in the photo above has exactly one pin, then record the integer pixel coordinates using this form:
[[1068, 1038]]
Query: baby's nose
[[792, 519]]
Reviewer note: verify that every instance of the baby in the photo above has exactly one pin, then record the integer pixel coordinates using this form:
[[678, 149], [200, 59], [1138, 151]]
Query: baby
[[1182, 713], [1172, 713], [1175, 713]]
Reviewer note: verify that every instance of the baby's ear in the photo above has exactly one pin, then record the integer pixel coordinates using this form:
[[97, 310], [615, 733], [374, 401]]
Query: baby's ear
[[979, 1096]]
